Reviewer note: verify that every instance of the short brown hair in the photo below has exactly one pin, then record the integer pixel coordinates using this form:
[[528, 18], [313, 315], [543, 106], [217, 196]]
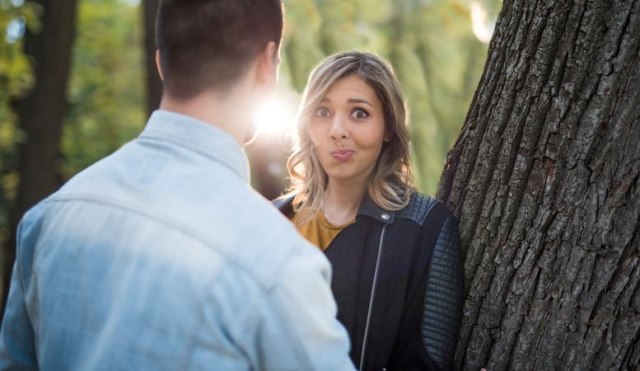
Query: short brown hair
[[210, 43]]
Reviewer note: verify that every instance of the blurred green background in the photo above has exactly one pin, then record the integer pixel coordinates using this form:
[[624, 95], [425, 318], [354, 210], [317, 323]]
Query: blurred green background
[[437, 47]]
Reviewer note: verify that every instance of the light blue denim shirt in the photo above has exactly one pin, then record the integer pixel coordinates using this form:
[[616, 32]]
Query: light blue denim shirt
[[162, 257]]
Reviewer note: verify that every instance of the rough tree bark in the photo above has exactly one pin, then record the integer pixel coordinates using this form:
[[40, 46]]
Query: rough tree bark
[[545, 182], [41, 112], [153, 83]]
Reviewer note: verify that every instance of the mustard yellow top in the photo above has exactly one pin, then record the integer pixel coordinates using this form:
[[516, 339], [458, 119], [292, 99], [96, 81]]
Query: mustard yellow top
[[319, 231]]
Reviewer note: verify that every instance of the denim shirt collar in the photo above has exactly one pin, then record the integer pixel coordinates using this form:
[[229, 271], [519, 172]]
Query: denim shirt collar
[[198, 136]]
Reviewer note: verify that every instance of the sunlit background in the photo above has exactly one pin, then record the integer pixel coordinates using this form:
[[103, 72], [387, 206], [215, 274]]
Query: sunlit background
[[275, 118], [437, 47]]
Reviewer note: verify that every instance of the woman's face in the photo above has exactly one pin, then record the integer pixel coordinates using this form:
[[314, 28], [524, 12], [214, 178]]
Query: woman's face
[[347, 130]]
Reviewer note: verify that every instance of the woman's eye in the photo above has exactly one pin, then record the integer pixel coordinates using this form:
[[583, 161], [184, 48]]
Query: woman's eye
[[359, 114], [322, 112]]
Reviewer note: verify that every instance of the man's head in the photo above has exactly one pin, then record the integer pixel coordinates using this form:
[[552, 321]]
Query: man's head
[[210, 44]]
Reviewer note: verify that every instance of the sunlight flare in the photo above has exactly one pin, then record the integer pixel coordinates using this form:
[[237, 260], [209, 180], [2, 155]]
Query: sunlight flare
[[276, 116], [482, 26]]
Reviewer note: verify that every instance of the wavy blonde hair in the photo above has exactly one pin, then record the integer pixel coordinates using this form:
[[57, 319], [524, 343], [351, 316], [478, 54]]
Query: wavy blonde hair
[[391, 181]]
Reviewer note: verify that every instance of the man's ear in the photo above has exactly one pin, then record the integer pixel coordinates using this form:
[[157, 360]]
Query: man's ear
[[159, 65], [267, 64]]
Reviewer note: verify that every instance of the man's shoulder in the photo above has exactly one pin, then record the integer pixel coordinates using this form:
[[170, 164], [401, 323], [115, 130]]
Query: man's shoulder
[[262, 239], [213, 206]]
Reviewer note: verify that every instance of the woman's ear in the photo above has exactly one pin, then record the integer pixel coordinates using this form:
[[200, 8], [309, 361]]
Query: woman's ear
[[388, 136]]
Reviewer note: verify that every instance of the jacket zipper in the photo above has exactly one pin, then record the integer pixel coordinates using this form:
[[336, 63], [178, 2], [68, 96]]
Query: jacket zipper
[[371, 299]]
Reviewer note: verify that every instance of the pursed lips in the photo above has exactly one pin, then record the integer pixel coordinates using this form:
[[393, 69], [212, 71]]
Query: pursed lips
[[342, 154]]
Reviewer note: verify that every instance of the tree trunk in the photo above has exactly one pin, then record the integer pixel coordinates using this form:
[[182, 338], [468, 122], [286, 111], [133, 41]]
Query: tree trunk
[[545, 182], [41, 112], [153, 83]]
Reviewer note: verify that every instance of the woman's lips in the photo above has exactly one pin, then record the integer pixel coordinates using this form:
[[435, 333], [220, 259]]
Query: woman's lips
[[342, 155]]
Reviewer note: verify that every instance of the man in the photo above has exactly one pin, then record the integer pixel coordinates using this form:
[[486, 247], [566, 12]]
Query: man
[[160, 256]]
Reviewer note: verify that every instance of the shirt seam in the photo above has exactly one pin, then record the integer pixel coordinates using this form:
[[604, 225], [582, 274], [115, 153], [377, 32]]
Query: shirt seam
[[89, 198], [297, 340]]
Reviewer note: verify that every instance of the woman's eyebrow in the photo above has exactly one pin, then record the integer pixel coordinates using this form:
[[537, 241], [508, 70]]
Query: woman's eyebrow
[[357, 100], [350, 100]]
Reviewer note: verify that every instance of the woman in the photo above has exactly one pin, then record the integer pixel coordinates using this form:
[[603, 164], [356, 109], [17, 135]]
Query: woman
[[397, 266]]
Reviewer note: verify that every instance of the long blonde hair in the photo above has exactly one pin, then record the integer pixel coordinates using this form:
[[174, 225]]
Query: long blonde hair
[[391, 182]]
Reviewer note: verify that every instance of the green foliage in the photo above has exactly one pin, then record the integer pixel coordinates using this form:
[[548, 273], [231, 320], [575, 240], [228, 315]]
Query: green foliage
[[106, 95], [436, 52], [429, 42], [15, 79], [300, 51], [431, 45]]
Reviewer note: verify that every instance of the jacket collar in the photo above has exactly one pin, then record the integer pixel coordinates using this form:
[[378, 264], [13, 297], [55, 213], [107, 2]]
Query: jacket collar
[[367, 208], [370, 209]]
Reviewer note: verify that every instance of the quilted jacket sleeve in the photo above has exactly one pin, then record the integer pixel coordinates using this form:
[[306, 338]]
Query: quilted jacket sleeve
[[444, 297]]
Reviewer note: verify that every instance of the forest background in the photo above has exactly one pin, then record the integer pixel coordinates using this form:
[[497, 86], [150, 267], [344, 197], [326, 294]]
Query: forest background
[[544, 176], [438, 49]]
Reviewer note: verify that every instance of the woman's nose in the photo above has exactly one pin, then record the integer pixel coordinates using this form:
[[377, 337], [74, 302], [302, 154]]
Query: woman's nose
[[338, 129]]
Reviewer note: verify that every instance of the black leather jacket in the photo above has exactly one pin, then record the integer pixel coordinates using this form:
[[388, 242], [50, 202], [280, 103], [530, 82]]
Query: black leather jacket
[[398, 282]]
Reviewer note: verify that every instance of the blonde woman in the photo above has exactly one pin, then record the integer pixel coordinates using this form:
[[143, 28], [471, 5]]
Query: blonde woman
[[397, 264]]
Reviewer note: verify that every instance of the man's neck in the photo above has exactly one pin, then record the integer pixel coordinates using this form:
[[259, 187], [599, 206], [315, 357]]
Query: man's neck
[[227, 112]]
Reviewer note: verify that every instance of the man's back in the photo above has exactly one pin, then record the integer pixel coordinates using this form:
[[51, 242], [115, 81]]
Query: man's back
[[162, 257]]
